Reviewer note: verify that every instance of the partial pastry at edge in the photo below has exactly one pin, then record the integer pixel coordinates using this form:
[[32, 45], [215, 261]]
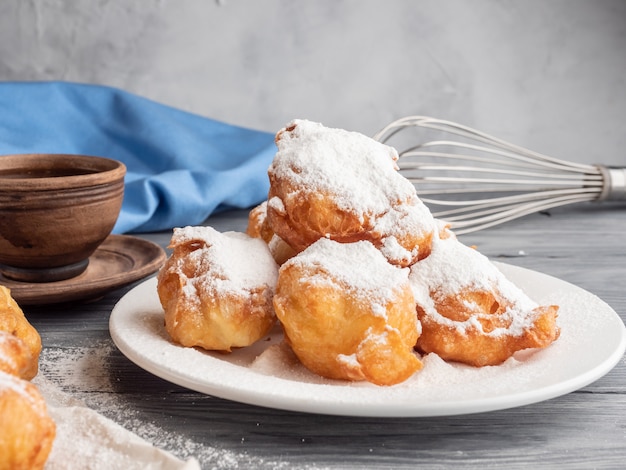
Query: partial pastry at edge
[[257, 223], [27, 431], [13, 321]]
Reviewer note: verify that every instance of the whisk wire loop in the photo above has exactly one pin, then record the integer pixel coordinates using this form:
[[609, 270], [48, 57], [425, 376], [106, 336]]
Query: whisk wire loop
[[475, 180]]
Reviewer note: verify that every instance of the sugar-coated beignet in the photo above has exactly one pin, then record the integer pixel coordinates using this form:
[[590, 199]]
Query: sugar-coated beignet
[[217, 288], [348, 314], [26, 429], [331, 183], [470, 312], [13, 321]]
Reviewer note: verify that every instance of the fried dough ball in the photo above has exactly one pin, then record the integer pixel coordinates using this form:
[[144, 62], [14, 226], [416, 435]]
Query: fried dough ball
[[26, 430], [13, 321], [258, 227], [348, 314], [331, 183], [217, 288], [471, 313]]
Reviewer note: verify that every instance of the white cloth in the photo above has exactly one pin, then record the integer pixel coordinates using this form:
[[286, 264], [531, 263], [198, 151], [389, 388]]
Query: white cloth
[[87, 440]]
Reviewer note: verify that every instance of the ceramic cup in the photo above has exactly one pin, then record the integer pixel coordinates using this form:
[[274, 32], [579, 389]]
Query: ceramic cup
[[55, 210]]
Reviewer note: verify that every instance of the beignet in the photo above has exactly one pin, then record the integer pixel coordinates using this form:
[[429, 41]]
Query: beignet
[[347, 313], [217, 288]]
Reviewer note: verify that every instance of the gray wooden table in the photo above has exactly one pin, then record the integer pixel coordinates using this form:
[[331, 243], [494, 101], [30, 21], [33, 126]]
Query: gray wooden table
[[584, 245]]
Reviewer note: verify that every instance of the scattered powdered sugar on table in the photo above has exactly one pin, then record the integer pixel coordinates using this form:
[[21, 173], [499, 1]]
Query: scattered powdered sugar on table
[[97, 430]]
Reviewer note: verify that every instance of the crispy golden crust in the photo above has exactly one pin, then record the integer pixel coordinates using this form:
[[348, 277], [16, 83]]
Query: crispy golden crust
[[470, 312], [197, 314], [15, 356], [341, 334], [280, 250], [305, 217], [300, 213], [27, 431], [258, 226], [301, 218], [13, 321], [487, 340], [218, 323]]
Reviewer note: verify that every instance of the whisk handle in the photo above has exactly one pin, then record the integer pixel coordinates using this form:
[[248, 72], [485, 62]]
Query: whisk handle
[[614, 188]]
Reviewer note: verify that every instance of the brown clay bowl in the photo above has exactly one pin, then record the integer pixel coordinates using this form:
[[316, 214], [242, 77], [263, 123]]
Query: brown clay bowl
[[55, 210]]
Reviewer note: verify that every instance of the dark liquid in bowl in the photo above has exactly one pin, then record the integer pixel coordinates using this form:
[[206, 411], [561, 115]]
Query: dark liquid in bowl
[[21, 173]]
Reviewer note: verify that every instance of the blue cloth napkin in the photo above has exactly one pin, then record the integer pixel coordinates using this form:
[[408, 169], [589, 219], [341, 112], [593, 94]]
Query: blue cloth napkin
[[181, 167]]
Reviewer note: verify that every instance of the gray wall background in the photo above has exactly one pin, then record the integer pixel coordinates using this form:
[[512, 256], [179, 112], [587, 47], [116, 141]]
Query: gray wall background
[[546, 74]]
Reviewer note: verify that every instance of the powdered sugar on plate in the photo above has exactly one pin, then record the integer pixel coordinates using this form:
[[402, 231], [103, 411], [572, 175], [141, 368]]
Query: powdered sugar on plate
[[592, 341]]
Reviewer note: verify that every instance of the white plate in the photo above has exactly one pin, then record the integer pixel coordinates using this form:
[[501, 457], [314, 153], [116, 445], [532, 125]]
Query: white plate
[[592, 341]]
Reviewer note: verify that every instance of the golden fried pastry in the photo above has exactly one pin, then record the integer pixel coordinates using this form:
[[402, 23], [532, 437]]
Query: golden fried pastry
[[258, 227], [347, 313], [470, 312], [257, 223], [331, 183], [15, 356], [280, 250], [217, 288], [26, 430], [13, 321]]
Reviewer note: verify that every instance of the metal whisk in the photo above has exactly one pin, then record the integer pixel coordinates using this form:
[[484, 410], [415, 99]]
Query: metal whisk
[[477, 181]]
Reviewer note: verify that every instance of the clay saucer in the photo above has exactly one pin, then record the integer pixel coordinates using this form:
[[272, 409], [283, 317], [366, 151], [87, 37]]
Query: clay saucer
[[118, 261]]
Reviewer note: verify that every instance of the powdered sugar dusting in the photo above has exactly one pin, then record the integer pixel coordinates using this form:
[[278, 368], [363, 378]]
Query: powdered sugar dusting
[[355, 177], [236, 257], [352, 265], [452, 268], [360, 171], [229, 262], [5, 357], [14, 384]]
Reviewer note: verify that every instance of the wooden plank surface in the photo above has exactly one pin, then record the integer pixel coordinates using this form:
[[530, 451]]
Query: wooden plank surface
[[584, 245]]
